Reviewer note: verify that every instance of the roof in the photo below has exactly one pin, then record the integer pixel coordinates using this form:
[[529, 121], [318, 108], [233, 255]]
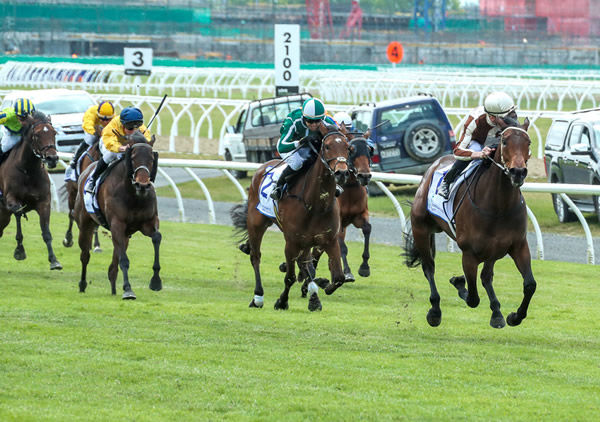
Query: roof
[[414, 99]]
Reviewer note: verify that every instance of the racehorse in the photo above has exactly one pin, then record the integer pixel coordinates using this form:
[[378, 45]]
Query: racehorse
[[128, 202], [491, 221], [90, 156], [308, 215], [24, 182], [353, 204]]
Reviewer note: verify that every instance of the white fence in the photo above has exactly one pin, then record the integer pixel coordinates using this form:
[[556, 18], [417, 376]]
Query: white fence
[[188, 165]]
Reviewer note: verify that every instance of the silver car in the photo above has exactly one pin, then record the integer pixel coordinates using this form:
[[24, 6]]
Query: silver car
[[64, 106]]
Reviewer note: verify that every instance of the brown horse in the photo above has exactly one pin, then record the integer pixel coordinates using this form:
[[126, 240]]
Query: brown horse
[[491, 221], [353, 203], [308, 216], [24, 182], [128, 202], [90, 156]]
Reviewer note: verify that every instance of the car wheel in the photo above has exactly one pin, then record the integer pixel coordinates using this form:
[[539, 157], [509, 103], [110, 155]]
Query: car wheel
[[562, 210], [238, 174], [423, 141]]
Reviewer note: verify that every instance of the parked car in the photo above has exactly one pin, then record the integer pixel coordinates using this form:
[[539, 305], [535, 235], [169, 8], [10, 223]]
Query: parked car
[[256, 132], [64, 106], [409, 133], [572, 155]]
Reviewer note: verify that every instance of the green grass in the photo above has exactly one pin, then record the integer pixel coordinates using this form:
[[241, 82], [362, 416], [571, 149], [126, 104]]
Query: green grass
[[195, 351]]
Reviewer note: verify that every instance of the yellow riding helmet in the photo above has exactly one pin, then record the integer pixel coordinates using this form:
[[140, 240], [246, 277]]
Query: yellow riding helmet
[[23, 107], [106, 110]]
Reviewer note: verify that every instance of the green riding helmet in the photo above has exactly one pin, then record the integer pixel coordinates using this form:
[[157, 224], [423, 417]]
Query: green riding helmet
[[313, 109]]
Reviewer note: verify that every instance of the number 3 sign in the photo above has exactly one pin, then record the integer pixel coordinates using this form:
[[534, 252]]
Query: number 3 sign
[[138, 61]]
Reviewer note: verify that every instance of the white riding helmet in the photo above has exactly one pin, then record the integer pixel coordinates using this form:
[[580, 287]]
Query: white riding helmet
[[498, 104], [343, 117]]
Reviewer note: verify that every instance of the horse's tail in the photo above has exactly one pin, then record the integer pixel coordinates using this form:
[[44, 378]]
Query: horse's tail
[[411, 255], [239, 217]]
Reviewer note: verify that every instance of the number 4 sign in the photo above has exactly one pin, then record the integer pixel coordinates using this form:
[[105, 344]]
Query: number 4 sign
[[395, 52], [138, 61]]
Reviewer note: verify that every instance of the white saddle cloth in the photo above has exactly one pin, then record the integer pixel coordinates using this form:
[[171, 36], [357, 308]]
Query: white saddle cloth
[[266, 205]]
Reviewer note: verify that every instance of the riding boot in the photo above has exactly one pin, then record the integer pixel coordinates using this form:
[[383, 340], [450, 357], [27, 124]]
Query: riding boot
[[285, 176], [82, 148], [457, 168], [91, 183]]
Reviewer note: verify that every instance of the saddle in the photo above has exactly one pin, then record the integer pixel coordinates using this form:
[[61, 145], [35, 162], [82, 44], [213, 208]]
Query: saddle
[[91, 200]]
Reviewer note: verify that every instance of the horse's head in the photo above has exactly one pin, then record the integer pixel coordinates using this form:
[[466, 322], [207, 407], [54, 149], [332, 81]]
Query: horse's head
[[334, 153], [360, 159], [40, 134], [514, 150], [142, 163]]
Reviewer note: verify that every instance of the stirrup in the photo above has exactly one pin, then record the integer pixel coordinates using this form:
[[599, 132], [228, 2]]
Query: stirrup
[[444, 190], [338, 190], [90, 186], [276, 194]]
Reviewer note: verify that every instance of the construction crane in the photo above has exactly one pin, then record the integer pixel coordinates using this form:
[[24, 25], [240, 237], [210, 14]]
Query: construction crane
[[318, 14]]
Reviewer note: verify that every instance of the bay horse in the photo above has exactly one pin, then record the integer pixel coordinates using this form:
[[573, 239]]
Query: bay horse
[[128, 202], [353, 203], [24, 182], [90, 156], [308, 215], [491, 221]]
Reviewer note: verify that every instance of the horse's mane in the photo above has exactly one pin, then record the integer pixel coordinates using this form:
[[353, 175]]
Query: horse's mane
[[40, 116], [138, 138], [511, 122]]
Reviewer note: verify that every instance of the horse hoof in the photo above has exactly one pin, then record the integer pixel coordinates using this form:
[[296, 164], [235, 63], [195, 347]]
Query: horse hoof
[[303, 290], [349, 278], [283, 267], [244, 247], [280, 306], [56, 266], [472, 302], [67, 243], [497, 322], [314, 303], [332, 287], [364, 271], [513, 319], [155, 284], [97, 249], [253, 304], [20, 255], [459, 284], [82, 286], [129, 295], [434, 318], [321, 282]]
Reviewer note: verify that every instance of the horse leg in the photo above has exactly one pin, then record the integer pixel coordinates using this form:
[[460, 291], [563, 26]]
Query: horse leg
[[19, 253], [522, 258], [4, 219], [470, 264], [487, 275], [365, 270], [291, 254], [85, 240], [348, 276], [113, 271], [68, 240], [44, 213], [424, 242], [96, 241], [120, 243], [255, 236], [307, 272], [335, 267], [151, 231]]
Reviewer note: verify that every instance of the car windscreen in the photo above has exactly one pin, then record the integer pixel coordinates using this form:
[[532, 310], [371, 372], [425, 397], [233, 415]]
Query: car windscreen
[[274, 113], [65, 105], [399, 117], [556, 134], [597, 136]]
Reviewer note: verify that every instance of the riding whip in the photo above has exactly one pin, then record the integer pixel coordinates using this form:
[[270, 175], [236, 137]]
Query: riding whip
[[157, 111]]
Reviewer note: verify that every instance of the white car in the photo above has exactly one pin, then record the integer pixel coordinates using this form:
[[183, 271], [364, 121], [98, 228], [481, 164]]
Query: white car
[[64, 106]]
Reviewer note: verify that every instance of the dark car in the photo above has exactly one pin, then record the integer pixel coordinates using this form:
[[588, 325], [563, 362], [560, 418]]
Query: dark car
[[572, 155]]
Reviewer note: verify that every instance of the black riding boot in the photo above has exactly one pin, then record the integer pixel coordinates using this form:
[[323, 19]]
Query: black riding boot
[[457, 168], [286, 176], [91, 183], [82, 147]]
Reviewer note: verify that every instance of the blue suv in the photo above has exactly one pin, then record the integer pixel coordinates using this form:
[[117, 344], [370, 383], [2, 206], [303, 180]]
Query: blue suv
[[409, 133]]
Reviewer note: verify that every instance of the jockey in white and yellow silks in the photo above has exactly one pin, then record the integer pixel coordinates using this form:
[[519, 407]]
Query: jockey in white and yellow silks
[[299, 124], [95, 120], [11, 119], [113, 145]]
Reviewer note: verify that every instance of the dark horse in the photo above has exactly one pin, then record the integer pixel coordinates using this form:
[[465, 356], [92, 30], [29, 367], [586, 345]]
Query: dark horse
[[90, 156], [491, 221], [128, 202], [353, 204], [24, 181], [308, 216]]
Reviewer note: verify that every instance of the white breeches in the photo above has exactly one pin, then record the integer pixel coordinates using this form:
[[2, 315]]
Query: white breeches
[[109, 156], [9, 139]]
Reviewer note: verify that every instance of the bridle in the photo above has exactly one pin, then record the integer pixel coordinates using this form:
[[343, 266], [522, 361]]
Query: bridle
[[37, 150], [321, 153], [502, 164], [133, 172]]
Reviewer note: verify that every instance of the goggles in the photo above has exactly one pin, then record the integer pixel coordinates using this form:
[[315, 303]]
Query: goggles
[[312, 120], [105, 118], [132, 125]]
